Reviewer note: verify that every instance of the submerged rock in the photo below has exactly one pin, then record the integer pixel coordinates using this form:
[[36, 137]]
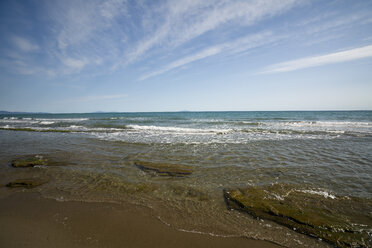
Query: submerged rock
[[342, 221], [164, 169], [25, 183], [188, 192], [29, 161]]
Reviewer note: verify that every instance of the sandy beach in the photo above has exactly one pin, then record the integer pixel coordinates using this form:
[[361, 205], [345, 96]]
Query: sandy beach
[[28, 220], [185, 123]]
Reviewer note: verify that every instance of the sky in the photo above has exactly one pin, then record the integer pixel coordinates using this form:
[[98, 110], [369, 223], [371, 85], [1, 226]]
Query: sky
[[177, 55]]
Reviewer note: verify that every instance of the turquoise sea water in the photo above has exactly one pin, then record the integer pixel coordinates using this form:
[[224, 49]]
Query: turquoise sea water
[[324, 152]]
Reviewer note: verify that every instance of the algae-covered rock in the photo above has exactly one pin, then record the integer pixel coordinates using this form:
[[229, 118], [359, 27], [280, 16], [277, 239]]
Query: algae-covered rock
[[342, 221], [164, 169], [25, 183], [29, 161]]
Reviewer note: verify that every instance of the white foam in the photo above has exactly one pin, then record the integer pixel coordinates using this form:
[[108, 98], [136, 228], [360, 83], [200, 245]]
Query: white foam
[[167, 137], [76, 127], [209, 120], [330, 127], [62, 119], [130, 118], [41, 121], [177, 129], [325, 194], [10, 120], [46, 122], [40, 166], [278, 197], [330, 131], [335, 124]]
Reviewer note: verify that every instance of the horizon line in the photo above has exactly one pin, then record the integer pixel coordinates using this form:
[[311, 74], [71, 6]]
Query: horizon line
[[180, 111]]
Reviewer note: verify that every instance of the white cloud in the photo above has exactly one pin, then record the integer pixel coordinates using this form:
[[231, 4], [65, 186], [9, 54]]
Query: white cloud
[[24, 44], [237, 13], [84, 33], [234, 47], [78, 22], [112, 8], [183, 61], [94, 36], [187, 20], [337, 57], [20, 66], [340, 22], [76, 64]]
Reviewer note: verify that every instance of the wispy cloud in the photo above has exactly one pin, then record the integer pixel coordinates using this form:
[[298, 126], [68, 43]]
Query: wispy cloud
[[102, 37], [24, 44], [183, 61], [112, 8], [79, 21], [337, 22], [84, 33], [187, 20], [237, 46], [75, 64], [20, 63], [332, 58], [233, 14]]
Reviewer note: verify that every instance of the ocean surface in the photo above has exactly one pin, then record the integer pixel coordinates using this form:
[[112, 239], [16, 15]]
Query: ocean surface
[[327, 153]]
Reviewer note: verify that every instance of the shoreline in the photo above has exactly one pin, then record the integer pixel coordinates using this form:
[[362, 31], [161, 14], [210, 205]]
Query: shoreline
[[29, 220]]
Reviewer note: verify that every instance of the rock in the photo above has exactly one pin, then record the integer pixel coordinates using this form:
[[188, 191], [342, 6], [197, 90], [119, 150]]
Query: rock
[[25, 183], [341, 221], [164, 169], [29, 161]]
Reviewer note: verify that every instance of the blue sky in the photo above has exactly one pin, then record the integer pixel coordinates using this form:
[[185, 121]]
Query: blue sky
[[84, 56]]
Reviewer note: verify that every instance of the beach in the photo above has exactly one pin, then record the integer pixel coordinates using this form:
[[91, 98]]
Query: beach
[[28, 220], [186, 123], [193, 179]]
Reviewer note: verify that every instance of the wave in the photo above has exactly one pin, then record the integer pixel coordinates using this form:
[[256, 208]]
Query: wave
[[290, 131], [63, 119], [206, 130], [16, 120], [69, 129], [325, 124], [42, 121], [108, 125], [205, 122], [171, 137], [173, 129], [47, 122]]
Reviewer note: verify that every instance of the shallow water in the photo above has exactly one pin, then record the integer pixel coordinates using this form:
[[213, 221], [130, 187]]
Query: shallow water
[[328, 153]]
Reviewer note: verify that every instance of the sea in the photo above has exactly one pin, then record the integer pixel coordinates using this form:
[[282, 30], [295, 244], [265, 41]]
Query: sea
[[328, 153]]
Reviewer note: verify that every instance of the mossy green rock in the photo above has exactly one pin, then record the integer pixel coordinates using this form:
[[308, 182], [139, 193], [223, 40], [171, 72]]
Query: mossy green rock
[[29, 161], [342, 221], [164, 169], [25, 183]]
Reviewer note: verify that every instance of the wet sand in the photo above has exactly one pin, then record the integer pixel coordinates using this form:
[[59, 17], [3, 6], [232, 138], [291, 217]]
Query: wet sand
[[28, 220]]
